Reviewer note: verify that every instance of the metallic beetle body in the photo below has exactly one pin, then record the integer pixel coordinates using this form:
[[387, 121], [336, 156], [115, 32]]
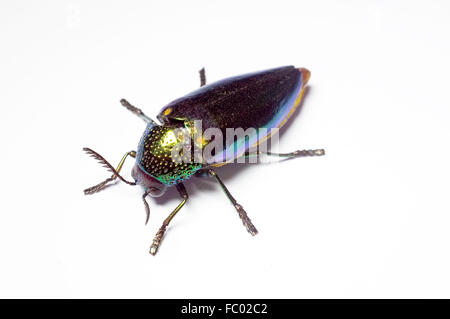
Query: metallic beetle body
[[264, 99], [207, 128]]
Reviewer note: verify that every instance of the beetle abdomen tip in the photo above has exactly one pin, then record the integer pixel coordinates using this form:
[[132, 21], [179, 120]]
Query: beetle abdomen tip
[[306, 74]]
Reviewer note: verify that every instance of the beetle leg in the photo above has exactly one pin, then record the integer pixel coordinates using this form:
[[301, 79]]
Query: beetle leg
[[160, 234], [242, 213], [317, 152], [100, 186], [202, 77], [136, 111]]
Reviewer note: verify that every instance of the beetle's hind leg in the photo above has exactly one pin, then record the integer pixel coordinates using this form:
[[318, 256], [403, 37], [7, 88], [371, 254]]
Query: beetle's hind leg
[[202, 77], [298, 153], [162, 230], [242, 213], [102, 185], [136, 111]]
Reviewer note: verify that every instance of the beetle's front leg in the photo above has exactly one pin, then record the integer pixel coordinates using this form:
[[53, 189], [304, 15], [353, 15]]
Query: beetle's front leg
[[162, 230], [202, 77], [137, 111], [242, 213]]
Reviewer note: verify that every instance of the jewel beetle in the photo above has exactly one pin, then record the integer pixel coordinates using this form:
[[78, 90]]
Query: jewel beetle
[[263, 100]]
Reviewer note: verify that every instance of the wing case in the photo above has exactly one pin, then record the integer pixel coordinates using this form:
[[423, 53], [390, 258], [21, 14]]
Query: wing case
[[264, 99]]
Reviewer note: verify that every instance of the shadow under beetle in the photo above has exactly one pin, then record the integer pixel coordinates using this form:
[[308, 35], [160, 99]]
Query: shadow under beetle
[[264, 99]]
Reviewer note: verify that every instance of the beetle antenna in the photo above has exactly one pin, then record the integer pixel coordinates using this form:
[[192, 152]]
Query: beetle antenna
[[105, 163]]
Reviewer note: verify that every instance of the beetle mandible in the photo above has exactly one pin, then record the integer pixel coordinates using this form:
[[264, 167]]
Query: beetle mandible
[[264, 99]]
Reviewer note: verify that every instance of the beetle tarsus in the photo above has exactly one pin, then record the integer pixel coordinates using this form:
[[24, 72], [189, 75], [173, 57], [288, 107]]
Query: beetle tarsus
[[246, 220], [98, 187], [318, 152], [137, 111], [242, 213], [202, 77], [157, 240], [160, 234], [298, 153]]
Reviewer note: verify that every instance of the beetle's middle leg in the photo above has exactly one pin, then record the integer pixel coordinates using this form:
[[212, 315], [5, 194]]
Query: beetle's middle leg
[[242, 213], [100, 186], [160, 234]]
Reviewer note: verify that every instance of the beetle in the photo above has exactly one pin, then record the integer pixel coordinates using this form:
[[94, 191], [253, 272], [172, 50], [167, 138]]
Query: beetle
[[264, 99]]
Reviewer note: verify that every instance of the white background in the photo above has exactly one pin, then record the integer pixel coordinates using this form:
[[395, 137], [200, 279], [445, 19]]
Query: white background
[[370, 219]]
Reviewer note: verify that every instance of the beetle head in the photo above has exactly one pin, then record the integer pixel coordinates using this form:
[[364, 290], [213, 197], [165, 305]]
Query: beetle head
[[151, 185]]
